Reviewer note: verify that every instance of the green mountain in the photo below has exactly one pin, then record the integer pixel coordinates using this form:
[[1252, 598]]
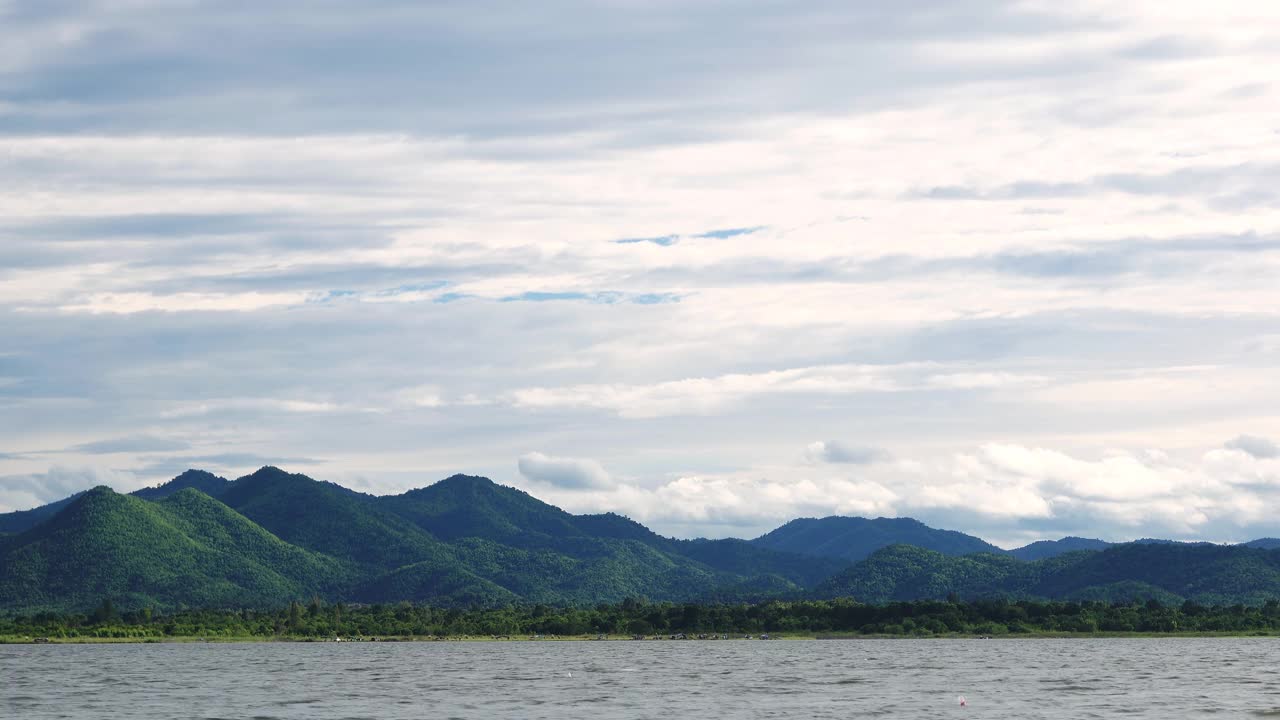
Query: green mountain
[[22, 520], [741, 557], [854, 538], [12, 523], [428, 582], [1206, 574], [188, 548], [272, 537], [330, 519], [1043, 549], [205, 482], [462, 541], [465, 506]]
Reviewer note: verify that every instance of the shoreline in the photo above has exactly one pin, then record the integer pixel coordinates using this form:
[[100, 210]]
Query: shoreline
[[20, 640]]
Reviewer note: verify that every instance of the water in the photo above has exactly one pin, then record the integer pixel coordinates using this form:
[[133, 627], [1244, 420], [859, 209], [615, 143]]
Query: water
[[1025, 679]]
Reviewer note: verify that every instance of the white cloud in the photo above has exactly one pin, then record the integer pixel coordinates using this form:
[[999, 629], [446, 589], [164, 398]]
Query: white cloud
[[1039, 267], [707, 395], [833, 451], [273, 405], [1258, 447], [997, 491], [564, 472], [21, 492]]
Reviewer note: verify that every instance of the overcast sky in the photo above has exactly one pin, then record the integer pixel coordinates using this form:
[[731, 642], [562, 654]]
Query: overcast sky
[[1012, 268]]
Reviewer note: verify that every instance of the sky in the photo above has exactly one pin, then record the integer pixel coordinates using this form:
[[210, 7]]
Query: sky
[[1011, 268]]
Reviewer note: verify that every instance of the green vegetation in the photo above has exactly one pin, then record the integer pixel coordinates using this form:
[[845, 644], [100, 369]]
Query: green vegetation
[[854, 538], [1044, 549], [316, 619], [330, 519], [188, 548], [1168, 572], [205, 482], [273, 535], [467, 542]]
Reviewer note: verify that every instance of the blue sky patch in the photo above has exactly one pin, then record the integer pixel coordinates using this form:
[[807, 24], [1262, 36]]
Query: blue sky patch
[[664, 240], [730, 232]]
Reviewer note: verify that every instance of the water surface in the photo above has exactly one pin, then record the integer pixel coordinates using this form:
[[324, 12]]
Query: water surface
[[1024, 679]]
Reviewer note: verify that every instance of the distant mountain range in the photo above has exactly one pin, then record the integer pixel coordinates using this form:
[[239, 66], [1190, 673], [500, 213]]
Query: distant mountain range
[[1168, 572], [854, 538], [271, 537]]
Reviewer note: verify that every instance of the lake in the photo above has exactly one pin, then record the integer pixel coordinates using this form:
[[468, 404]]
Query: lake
[[1025, 678]]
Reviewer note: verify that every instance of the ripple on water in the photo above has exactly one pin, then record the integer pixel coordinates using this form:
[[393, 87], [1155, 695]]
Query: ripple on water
[[1022, 679]]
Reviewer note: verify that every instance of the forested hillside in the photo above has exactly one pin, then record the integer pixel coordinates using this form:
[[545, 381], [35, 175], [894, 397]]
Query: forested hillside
[[272, 537], [854, 538], [1206, 574]]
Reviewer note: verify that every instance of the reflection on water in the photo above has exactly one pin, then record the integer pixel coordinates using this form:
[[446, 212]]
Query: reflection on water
[[1024, 679]]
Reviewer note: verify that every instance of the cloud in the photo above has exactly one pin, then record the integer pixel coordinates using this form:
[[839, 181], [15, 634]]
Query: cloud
[[708, 395], [1007, 492], [1239, 186], [168, 467], [661, 240], [669, 240], [25, 491], [1259, 447], [575, 473], [832, 451], [730, 232], [273, 248], [84, 69], [131, 444]]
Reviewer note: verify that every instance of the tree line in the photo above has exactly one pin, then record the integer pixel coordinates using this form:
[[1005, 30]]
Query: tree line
[[638, 617]]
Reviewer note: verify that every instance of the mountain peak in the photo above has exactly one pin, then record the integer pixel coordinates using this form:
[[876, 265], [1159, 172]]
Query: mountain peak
[[99, 491], [459, 483], [854, 538], [474, 506], [205, 482], [464, 479], [269, 471]]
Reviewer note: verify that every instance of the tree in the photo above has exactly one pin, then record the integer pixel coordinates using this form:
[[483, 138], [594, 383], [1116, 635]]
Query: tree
[[105, 613]]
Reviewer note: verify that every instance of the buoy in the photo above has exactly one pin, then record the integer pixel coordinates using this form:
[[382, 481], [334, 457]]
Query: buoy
[[963, 702]]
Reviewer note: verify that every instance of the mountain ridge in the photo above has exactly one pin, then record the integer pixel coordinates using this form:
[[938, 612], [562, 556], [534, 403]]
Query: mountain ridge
[[466, 540]]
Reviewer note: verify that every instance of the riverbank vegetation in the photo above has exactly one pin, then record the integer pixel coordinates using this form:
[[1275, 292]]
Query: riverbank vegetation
[[639, 618]]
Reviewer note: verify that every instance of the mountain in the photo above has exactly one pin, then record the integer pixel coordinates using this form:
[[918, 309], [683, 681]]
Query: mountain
[[12, 523], [854, 538], [1263, 543], [205, 482], [330, 519], [16, 522], [459, 542], [187, 548], [1052, 548], [273, 536], [430, 581], [464, 507], [468, 506], [1207, 574], [743, 558]]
